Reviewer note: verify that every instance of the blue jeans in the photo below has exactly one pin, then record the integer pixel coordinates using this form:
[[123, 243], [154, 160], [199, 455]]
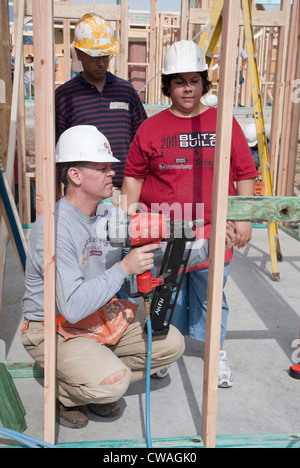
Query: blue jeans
[[190, 312]]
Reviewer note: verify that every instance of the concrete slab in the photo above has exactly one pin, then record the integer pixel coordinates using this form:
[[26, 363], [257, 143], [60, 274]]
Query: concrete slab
[[263, 325]]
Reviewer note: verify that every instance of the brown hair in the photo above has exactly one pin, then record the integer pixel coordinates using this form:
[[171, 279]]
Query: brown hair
[[63, 169], [166, 82]]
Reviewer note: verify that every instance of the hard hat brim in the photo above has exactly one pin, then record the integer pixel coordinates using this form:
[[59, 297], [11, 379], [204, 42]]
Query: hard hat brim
[[97, 52], [182, 70], [109, 159]]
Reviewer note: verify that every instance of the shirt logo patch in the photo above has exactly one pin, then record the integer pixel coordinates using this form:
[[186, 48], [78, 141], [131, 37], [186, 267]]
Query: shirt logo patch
[[197, 140]]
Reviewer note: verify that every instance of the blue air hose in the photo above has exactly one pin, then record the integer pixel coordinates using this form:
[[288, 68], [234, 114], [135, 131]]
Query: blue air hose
[[24, 439], [148, 374]]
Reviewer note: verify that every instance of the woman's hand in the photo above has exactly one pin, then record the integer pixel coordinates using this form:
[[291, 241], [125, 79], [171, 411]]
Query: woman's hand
[[243, 234]]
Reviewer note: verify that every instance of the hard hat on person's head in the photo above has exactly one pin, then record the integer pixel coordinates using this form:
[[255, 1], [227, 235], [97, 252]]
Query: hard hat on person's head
[[210, 101], [184, 57], [83, 143], [94, 36], [251, 135]]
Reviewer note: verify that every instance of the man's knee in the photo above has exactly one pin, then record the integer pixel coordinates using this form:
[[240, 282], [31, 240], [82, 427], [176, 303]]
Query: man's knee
[[114, 378], [116, 384]]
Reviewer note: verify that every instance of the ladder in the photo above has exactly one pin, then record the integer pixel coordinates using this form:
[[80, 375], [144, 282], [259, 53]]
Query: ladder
[[208, 42]]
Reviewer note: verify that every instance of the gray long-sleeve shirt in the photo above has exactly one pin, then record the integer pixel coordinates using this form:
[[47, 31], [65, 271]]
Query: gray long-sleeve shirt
[[88, 274]]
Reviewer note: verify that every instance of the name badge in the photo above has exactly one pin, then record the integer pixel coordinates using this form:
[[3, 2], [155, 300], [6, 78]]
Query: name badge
[[119, 105]]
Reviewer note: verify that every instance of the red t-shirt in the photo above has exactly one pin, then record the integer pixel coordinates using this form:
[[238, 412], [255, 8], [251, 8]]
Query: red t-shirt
[[175, 156]]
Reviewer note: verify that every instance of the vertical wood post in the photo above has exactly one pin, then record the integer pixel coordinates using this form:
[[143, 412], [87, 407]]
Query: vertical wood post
[[278, 93], [231, 15], [152, 53], [5, 111], [123, 45], [184, 19], [44, 96], [291, 68]]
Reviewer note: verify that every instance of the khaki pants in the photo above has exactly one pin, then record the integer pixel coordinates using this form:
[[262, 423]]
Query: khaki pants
[[83, 363]]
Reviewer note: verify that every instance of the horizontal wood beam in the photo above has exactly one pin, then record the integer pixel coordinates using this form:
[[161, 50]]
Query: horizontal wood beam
[[77, 10], [113, 13], [260, 18], [271, 209]]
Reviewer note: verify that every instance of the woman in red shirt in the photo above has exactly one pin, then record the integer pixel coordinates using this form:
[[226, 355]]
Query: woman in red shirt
[[170, 168]]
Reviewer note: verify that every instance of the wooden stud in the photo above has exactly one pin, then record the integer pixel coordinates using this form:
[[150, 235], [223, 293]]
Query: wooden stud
[[44, 92], [9, 163], [184, 19], [288, 101], [5, 112], [231, 14], [152, 52], [278, 93], [123, 45]]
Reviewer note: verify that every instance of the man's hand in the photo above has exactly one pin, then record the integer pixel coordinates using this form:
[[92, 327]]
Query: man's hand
[[230, 235], [243, 234], [139, 260]]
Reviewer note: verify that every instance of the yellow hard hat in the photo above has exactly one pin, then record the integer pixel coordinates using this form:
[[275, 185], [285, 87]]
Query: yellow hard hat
[[94, 36]]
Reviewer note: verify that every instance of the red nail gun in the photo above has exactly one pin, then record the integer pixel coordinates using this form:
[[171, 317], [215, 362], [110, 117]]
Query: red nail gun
[[135, 230]]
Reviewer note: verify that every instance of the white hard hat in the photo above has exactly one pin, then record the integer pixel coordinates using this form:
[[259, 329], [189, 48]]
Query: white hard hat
[[251, 135], [210, 101], [83, 143], [184, 57]]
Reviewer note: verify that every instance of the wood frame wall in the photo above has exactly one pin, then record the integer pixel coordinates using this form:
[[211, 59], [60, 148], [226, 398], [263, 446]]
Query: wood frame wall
[[43, 12]]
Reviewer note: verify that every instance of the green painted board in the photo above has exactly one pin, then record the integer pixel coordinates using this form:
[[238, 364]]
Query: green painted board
[[12, 412], [19, 370], [191, 444], [258, 209], [222, 441]]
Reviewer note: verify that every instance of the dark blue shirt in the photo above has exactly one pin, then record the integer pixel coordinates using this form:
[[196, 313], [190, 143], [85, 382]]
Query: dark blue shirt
[[117, 112]]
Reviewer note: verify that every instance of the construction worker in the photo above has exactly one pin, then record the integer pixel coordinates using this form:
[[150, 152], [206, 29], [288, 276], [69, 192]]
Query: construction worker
[[171, 163], [101, 344], [251, 137], [97, 97]]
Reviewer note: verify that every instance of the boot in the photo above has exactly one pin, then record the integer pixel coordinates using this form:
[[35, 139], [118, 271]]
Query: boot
[[74, 417]]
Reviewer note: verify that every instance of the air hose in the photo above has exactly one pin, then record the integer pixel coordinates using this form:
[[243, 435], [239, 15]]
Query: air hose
[[24, 439], [148, 375]]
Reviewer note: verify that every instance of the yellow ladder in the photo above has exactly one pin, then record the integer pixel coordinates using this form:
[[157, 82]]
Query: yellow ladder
[[208, 42]]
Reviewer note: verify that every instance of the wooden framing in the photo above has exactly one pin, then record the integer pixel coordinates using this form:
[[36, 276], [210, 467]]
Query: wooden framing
[[231, 12], [45, 144], [43, 12]]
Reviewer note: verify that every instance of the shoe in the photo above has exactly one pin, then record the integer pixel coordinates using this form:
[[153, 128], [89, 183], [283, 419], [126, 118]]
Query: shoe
[[161, 374], [225, 374], [108, 410], [74, 417]]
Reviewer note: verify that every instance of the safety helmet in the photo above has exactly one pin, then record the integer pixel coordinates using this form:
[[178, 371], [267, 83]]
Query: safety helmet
[[94, 36], [251, 135], [83, 143], [210, 101], [184, 57]]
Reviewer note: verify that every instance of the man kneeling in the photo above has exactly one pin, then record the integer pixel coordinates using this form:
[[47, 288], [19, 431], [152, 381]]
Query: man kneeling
[[101, 344]]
